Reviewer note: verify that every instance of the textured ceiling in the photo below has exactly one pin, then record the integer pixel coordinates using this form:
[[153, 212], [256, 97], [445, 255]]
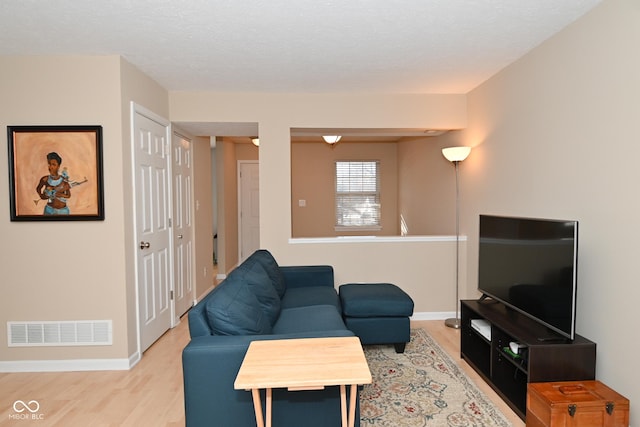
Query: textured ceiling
[[311, 46]]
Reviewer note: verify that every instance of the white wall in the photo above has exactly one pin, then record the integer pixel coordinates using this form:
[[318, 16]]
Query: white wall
[[555, 135]]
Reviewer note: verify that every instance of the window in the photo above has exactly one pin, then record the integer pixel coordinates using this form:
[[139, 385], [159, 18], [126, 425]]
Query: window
[[358, 194]]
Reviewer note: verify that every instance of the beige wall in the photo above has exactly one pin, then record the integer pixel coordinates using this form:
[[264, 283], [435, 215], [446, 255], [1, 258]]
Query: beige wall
[[426, 182], [100, 254], [313, 180], [93, 276], [230, 207], [556, 135], [424, 268], [203, 215]]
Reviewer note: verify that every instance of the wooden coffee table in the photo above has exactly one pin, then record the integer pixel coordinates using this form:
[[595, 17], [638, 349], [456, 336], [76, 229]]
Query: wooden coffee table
[[304, 364]]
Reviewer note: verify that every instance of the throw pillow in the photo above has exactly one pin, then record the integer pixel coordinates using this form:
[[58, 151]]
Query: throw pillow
[[233, 309], [259, 283], [270, 265]]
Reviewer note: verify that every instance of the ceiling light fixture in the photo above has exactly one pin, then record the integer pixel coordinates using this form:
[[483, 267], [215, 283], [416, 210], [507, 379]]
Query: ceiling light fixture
[[331, 139], [256, 141]]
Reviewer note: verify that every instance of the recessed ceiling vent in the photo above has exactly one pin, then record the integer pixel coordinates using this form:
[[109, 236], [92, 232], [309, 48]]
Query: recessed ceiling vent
[[65, 333]]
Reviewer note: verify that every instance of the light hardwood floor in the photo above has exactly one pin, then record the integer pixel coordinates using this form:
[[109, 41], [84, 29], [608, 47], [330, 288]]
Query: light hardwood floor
[[150, 394]]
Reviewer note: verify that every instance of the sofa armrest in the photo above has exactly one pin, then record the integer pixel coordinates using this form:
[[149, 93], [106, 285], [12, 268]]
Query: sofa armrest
[[307, 275], [197, 318], [210, 365]]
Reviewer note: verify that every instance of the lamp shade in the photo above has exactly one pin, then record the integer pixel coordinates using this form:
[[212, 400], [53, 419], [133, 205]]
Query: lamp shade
[[331, 139], [456, 154]]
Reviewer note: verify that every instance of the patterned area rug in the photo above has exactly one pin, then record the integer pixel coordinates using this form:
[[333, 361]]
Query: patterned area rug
[[422, 387]]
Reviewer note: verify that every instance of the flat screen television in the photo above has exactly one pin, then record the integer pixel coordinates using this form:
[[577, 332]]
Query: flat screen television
[[531, 266]]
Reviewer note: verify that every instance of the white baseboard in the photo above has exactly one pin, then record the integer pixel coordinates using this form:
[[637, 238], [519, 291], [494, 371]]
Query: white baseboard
[[134, 359], [433, 315], [71, 365]]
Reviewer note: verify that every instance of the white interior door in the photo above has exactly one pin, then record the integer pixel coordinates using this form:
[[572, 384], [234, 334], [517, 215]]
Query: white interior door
[[183, 262], [152, 210], [249, 208]]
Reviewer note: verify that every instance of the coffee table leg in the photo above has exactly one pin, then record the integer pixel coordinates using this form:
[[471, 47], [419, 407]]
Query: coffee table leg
[[343, 404], [352, 405], [257, 407], [268, 403]]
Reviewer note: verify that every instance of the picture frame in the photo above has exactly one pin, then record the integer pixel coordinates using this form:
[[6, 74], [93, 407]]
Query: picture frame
[[55, 173]]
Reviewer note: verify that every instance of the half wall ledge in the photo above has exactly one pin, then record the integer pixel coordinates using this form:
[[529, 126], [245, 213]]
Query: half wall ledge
[[376, 239]]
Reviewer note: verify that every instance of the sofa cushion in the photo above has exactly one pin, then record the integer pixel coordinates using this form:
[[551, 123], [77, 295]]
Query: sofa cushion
[[308, 319], [375, 300], [233, 309], [311, 295], [270, 265], [261, 286]]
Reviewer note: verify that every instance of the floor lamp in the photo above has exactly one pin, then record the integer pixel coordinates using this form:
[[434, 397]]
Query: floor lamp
[[455, 155]]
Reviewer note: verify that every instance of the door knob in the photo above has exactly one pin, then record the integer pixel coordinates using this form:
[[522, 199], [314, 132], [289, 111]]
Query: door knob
[[179, 236], [144, 245]]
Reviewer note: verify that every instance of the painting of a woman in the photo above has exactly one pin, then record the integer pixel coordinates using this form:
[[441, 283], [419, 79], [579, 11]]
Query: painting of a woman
[[54, 188]]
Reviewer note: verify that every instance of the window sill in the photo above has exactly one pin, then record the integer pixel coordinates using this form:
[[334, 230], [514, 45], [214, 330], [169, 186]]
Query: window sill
[[356, 229]]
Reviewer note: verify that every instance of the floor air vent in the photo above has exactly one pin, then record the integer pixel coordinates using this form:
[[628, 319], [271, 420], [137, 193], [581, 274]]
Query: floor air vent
[[79, 332]]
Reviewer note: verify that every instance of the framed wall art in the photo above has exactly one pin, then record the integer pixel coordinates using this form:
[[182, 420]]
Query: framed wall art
[[55, 173]]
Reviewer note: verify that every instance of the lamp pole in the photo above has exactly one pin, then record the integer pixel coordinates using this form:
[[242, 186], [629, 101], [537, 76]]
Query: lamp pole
[[455, 155], [455, 322]]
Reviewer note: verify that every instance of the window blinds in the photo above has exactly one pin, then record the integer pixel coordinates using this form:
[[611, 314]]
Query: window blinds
[[357, 193]]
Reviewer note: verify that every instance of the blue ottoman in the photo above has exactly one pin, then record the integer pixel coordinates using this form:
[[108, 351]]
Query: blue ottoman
[[378, 313]]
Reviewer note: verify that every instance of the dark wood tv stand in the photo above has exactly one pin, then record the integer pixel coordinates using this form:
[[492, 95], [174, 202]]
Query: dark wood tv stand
[[545, 359]]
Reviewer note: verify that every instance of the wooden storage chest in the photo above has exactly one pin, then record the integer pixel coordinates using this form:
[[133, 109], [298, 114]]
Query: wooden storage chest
[[575, 404]]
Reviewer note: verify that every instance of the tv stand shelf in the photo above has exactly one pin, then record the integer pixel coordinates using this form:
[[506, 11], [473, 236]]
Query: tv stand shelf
[[547, 357]]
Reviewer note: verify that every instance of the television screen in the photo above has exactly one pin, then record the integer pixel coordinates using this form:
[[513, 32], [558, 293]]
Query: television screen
[[530, 265]]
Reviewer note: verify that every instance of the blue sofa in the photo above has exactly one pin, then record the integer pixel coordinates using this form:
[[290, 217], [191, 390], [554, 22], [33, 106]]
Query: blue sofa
[[259, 300]]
